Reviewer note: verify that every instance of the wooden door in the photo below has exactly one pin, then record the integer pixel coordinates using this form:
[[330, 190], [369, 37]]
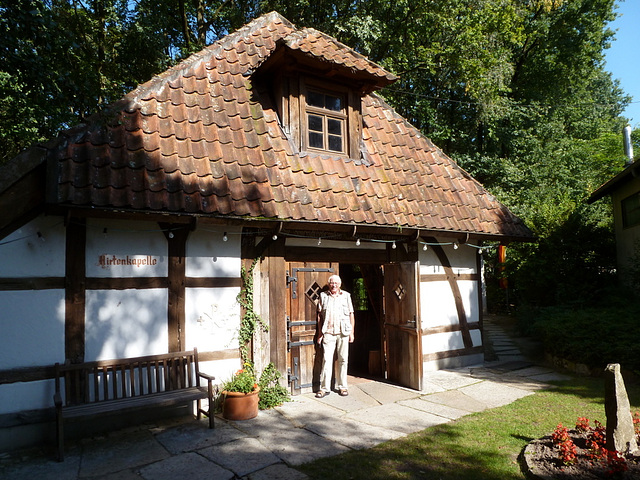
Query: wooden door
[[403, 346], [305, 281]]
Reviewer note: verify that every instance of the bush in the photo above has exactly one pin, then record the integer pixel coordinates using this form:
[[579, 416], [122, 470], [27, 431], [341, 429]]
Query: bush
[[595, 335], [272, 393]]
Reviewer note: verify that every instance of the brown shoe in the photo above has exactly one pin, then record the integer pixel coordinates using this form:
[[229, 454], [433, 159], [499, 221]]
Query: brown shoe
[[321, 394], [343, 392]]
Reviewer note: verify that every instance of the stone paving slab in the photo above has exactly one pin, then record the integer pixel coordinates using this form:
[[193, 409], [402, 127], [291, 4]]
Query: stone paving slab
[[120, 451], [192, 436], [242, 457], [304, 409], [444, 411], [384, 393], [428, 387], [526, 383], [356, 400], [531, 371], [187, 465], [456, 399], [296, 446], [494, 394], [44, 468], [451, 379], [352, 434], [397, 418]]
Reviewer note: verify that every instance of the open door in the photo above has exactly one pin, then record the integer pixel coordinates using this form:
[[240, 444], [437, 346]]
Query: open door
[[305, 281], [403, 346]]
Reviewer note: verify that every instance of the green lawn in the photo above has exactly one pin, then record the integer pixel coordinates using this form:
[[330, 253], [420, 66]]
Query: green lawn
[[484, 445]]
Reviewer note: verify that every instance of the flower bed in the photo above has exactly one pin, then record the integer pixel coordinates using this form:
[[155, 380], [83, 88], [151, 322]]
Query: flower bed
[[579, 453]]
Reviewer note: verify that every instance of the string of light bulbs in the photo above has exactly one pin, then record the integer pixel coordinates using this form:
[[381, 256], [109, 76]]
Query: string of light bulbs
[[225, 237]]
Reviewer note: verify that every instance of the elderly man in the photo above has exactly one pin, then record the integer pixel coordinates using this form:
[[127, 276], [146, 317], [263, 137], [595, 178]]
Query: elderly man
[[335, 324]]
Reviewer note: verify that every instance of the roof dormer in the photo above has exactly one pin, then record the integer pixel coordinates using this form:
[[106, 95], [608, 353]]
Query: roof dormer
[[317, 84]]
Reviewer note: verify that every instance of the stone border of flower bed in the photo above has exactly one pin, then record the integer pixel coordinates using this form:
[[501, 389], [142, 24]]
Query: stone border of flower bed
[[526, 457]]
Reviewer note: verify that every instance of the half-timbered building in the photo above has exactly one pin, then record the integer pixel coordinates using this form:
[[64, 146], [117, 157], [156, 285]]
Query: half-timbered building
[[128, 235]]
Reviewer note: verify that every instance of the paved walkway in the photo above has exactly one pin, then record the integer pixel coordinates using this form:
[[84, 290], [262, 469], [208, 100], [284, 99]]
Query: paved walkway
[[271, 445]]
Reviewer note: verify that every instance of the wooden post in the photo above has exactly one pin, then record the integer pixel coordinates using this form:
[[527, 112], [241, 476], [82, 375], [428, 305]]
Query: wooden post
[[177, 241], [75, 275]]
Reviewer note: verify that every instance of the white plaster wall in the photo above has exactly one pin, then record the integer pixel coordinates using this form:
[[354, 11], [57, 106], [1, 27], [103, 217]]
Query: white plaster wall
[[212, 318], [223, 370], [447, 341], [32, 325], [37, 327], [125, 323], [25, 254], [437, 305], [462, 260], [136, 241], [16, 397], [208, 255]]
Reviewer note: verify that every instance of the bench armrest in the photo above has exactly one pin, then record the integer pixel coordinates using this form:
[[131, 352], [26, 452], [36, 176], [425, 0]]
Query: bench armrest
[[210, 378]]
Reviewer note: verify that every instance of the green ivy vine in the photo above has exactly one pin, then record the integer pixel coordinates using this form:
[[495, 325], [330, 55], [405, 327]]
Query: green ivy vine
[[250, 320]]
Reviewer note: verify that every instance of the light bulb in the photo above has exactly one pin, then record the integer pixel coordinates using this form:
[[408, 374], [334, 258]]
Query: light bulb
[[424, 247], [171, 235], [224, 237], [319, 241], [455, 245], [275, 237], [357, 242], [393, 245]]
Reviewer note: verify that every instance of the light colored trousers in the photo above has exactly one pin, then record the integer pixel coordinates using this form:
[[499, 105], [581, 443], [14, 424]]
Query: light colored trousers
[[330, 344]]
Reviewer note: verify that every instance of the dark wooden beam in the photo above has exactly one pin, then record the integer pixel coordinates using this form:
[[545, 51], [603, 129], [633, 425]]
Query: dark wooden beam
[[176, 236], [32, 283], [75, 273]]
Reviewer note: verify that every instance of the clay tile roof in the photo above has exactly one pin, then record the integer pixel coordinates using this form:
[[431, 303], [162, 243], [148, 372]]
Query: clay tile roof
[[328, 49], [202, 139]]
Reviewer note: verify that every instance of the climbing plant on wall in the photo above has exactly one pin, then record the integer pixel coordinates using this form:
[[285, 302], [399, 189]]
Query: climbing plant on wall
[[250, 319]]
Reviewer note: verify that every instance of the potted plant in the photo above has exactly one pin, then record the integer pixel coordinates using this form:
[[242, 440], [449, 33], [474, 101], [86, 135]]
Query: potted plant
[[240, 395]]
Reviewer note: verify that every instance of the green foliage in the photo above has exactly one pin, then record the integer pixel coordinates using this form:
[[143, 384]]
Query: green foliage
[[593, 335], [243, 381], [272, 394], [250, 320]]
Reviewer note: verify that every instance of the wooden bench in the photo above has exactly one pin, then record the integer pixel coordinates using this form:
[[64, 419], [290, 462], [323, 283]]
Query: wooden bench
[[109, 386]]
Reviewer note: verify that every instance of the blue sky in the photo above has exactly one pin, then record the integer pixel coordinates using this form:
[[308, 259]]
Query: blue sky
[[622, 57]]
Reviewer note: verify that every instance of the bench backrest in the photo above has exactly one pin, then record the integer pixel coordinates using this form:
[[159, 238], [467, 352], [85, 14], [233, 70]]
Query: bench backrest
[[129, 377]]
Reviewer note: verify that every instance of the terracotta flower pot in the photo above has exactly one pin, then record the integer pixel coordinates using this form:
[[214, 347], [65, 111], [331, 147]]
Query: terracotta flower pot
[[240, 406]]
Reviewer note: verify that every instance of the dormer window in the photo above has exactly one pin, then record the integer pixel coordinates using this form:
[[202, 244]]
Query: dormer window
[[326, 121], [319, 116]]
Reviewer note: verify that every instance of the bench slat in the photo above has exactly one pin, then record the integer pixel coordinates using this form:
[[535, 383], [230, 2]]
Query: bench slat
[[174, 397]]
